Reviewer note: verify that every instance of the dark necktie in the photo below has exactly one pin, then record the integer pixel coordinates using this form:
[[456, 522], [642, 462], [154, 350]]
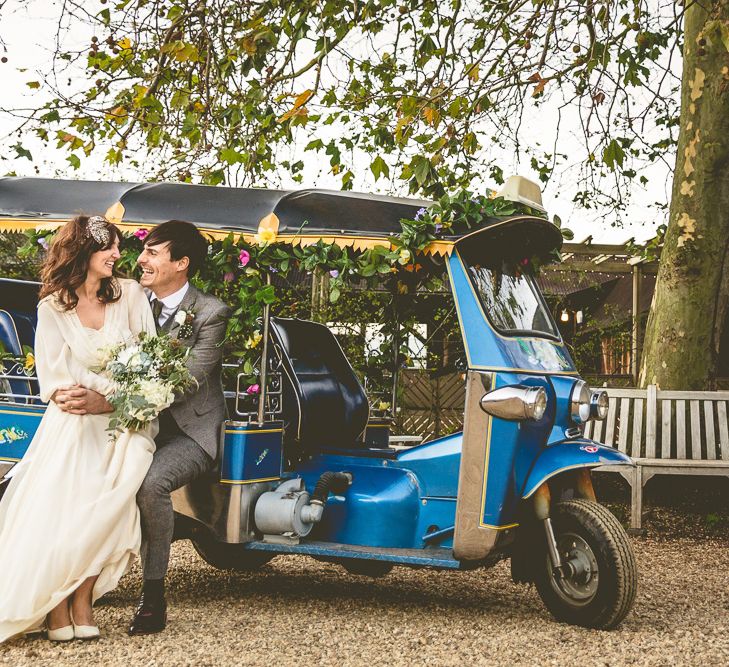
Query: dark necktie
[[156, 310]]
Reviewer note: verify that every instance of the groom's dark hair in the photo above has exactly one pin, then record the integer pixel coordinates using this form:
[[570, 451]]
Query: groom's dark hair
[[184, 241]]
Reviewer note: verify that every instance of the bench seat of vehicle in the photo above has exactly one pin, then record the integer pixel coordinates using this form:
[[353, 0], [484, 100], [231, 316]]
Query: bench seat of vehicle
[[324, 404], [11, 343]]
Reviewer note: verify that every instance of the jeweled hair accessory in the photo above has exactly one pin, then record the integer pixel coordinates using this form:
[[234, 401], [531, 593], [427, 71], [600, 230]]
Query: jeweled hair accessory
[[97, 228]]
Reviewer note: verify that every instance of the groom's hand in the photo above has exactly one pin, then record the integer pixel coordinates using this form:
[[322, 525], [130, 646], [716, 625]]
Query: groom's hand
[[81, 401]]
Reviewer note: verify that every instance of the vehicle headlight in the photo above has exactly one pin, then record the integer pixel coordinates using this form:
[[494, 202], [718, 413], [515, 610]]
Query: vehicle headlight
[[599, 403], [580, 402], [515, 402]]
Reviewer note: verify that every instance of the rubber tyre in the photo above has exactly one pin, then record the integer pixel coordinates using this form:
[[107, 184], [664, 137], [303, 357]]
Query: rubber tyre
[[233, 557], [617, 572], [367, 568]]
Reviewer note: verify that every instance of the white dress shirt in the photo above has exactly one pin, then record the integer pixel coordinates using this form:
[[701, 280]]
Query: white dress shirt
[[170, 303]]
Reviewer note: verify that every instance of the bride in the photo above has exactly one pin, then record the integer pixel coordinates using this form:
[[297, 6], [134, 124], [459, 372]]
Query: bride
[[69, 523]]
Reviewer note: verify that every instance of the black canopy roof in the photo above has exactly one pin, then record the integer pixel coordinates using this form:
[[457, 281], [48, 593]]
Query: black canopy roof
[[210, 207]]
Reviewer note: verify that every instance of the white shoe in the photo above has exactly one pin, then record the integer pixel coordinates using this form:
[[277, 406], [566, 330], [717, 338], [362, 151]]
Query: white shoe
[[64, 634], [86, 631]]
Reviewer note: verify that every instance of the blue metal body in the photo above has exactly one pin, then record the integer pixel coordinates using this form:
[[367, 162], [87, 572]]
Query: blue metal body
[[402, 507], [18, 424], [251, 453]]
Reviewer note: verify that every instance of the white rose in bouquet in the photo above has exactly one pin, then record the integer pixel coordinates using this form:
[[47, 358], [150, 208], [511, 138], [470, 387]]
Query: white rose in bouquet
[[159, 394]]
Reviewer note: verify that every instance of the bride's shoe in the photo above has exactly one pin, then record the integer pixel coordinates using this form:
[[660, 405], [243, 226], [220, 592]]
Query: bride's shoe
[[64, 634], [86, 631]]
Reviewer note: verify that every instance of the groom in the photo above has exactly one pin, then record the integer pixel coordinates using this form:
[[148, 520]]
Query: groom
[[189, 435], [189, 430]]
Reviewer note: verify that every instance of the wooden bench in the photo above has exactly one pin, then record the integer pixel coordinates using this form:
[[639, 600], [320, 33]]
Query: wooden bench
[[665, 433]]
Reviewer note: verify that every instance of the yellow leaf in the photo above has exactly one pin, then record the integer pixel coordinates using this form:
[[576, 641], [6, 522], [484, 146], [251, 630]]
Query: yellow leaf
[[474, 72], [124, 43], [249, 45], [431, 115], [302, 98], [291, 113], [141, 92], [117, 115]]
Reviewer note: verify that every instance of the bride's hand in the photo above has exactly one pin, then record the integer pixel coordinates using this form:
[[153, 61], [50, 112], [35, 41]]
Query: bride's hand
[[84, 401], [78, 400], [62, 395]]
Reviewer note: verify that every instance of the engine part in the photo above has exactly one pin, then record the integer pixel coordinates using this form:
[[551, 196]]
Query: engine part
[[289, 510]]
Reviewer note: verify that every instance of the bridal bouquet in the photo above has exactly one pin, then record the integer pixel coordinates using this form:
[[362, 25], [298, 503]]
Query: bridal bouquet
[[147, 374]]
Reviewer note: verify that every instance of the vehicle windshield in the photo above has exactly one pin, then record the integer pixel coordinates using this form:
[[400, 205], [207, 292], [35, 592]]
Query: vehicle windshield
[[511, 298]]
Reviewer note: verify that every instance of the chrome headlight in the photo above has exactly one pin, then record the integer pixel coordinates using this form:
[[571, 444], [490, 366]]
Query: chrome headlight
[[515, 402], [580, 402], [599, 403]]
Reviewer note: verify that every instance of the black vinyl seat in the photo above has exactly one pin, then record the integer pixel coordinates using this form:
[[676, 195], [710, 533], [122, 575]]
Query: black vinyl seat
[[324, 404]]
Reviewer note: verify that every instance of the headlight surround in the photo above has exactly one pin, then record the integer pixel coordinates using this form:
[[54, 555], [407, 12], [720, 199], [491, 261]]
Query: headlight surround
[[515, 403], [580, 400], [599, 404]]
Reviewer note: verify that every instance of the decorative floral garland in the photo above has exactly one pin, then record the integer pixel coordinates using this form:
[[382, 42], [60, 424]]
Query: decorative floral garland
[[236, 269]]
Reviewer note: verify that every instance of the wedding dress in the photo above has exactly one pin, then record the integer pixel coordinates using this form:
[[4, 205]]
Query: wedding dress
[[70, 510]]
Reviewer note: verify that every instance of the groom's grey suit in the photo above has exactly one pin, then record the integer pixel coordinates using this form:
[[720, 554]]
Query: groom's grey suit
[[190, 429]]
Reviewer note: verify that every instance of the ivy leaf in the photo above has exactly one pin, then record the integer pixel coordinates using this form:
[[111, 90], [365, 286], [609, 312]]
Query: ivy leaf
[[74, 161]]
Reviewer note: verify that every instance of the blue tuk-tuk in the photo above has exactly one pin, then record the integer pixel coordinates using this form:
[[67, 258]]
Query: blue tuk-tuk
[[299, 476]]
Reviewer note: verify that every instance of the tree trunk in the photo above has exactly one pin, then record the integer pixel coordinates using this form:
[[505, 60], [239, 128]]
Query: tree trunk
[[684, 326]]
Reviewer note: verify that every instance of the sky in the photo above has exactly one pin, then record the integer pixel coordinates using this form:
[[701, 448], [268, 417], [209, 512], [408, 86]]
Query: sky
[[28, 29]]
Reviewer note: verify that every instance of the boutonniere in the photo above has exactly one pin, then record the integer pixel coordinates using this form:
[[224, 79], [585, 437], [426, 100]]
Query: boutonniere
[[184, 318]]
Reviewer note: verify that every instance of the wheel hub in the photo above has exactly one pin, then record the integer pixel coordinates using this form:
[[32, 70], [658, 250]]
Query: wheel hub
[[578, 581]]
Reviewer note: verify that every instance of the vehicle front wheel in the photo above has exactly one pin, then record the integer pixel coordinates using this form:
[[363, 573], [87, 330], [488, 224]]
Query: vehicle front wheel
[[600, 579], [225, 556]]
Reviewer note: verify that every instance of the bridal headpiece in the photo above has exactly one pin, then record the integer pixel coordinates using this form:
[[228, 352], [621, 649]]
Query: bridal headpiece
[[97, 227]]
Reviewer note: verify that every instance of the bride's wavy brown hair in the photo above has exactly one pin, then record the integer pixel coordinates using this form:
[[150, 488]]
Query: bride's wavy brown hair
[[67, 263]]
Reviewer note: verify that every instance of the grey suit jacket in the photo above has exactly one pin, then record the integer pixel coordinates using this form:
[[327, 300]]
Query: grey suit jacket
[[201, 411]]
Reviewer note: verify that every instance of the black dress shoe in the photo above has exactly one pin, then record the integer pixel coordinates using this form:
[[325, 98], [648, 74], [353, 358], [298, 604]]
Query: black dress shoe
[[149, 617]]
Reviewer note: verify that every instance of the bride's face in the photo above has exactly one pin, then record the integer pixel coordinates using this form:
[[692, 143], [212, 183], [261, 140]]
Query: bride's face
[[101, 263]]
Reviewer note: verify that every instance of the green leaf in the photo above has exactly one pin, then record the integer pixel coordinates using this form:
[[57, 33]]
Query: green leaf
[[230, 156], [421, 169], [613, 155], [74, 161], [33, 84], [22, 152], [379, 168]]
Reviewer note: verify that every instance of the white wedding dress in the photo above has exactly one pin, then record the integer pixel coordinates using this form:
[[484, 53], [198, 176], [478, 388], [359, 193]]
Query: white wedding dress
[[70, 510]]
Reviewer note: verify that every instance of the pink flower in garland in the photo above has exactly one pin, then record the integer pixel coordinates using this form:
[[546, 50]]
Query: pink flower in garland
[[142, 233], [228, 277], [253, 390], [244, 258]]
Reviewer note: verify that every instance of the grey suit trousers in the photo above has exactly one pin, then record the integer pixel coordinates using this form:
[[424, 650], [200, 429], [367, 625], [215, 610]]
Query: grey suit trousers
[[177, 461]]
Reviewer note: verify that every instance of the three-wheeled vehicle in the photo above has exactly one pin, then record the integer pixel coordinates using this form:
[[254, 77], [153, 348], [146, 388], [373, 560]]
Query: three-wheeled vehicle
[[298, 476]]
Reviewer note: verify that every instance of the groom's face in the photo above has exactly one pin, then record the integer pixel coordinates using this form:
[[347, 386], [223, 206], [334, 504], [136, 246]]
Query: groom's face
[[160, 273]]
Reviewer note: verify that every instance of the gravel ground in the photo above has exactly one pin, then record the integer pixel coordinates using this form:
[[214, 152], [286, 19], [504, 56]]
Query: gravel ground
[[298, 609]]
